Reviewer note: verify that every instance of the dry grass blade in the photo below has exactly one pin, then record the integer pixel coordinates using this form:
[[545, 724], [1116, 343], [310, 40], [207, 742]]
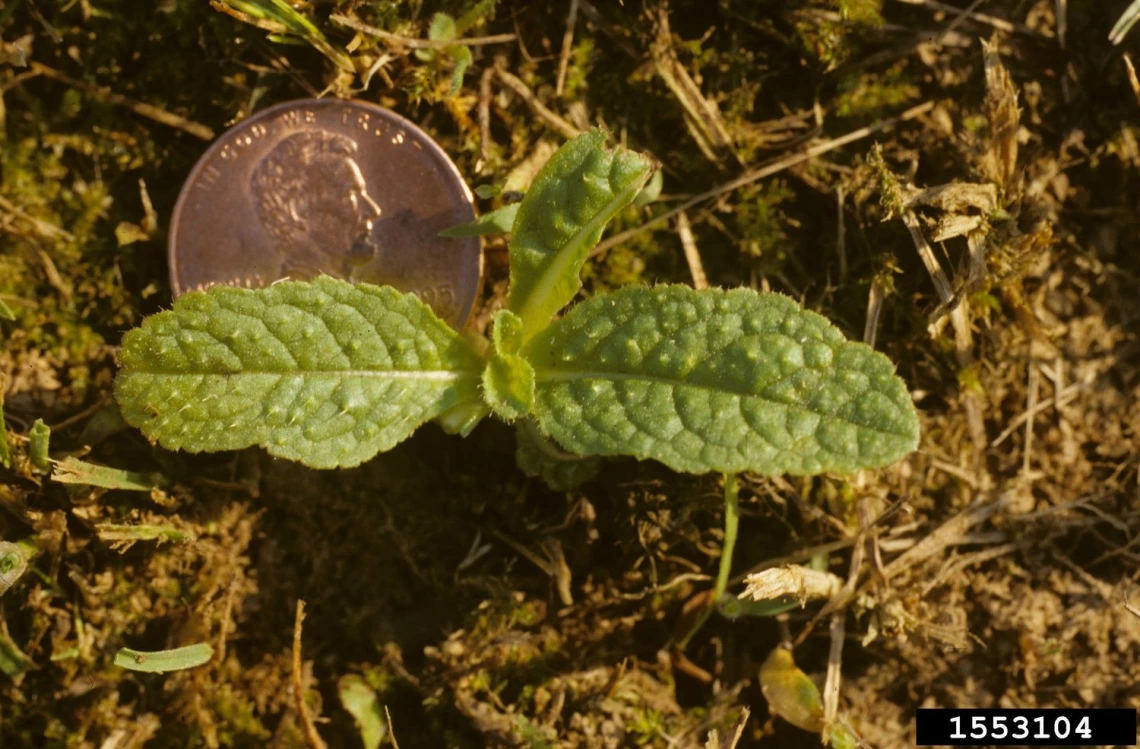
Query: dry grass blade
[[1003, 117], [874, 309], [947, 534], [702, 117], [774, 167], [804, 583], [1133, 81], [567, 47], [733, 738], [692, 253], [1125, 23]]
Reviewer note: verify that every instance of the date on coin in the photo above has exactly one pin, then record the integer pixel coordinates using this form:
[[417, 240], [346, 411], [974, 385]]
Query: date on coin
[[343, 188]]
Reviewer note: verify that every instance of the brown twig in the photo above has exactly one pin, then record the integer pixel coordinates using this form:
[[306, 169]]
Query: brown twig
[[874, 309], [557, 122], [310, 728], [1060, 399], [485, 94], [998, 23], [81, 415], [391, 730], [841, 233], [567, 46], [765, 171], [149, 111]]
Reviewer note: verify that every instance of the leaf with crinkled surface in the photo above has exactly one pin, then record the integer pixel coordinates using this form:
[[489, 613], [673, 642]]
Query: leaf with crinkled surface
[[718, 381], [561, 219], [326, 373]]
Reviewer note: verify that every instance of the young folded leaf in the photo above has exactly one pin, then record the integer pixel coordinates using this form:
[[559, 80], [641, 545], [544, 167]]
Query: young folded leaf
[[508, 380], [717, 381], [326, 373], [561, 219]]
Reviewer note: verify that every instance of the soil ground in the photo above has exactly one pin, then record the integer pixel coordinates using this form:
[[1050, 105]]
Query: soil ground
[[482, 608]]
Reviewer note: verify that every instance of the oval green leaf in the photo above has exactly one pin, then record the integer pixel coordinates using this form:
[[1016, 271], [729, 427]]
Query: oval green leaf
[[326, 373], [718, 381]]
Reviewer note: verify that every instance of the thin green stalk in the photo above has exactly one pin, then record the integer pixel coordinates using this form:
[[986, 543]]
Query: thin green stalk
[[731, 523]]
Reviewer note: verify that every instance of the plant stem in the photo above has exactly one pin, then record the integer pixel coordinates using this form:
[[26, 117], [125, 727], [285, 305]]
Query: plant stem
[[731, 523]]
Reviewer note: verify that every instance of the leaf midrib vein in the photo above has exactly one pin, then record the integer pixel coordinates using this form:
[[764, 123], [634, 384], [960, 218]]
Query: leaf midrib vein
[[442, 375]]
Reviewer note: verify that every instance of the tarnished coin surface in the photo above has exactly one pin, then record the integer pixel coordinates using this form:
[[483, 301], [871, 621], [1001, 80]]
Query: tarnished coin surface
[[315, 186]]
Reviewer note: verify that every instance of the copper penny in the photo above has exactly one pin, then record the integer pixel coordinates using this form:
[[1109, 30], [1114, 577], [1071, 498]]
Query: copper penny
[[315, 186]]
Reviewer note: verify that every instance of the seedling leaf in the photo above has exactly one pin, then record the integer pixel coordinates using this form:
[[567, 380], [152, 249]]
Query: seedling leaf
[[717, 381], [498, 221], [508, 380], [161, 661], [360, 701], [461, 56], [6, 312], [442, 28], [326, 373], [508, 386], [76, 471], [507, 332], [791, 694], [652, 190], [561, 219], [39, 437]]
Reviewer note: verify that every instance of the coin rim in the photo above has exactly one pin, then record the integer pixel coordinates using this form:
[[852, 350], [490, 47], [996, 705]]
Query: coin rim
[[267, 113]]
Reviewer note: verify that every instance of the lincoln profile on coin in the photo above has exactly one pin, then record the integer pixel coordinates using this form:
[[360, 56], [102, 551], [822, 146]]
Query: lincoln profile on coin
[[313, 205]]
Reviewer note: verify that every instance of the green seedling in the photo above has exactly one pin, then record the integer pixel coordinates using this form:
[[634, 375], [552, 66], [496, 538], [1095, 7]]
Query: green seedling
[[329, 374], [39, 438], [793, 696], [445, 29], [498, 221], [360, 701], [123, 536], [162, 661], [285, 24], [75, 471]]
